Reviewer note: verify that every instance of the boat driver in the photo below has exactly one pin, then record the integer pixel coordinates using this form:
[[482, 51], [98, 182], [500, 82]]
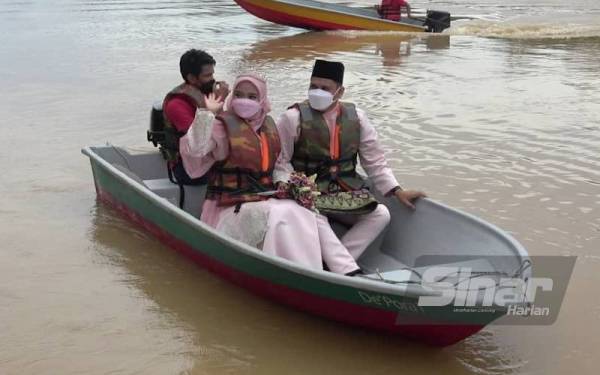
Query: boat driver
[[181, 104], [391, 9]]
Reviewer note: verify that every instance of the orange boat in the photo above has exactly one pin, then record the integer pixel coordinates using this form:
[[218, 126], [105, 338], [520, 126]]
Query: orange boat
[[316, 15]]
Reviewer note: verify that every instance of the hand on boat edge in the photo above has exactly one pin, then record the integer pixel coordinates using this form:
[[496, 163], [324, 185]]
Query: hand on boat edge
[[407, 197]]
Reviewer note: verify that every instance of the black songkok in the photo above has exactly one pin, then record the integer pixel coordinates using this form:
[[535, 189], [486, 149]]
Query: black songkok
[[329, 69]]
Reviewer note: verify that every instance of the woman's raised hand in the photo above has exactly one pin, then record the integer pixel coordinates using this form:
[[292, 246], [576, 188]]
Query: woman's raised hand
[[214, 103]]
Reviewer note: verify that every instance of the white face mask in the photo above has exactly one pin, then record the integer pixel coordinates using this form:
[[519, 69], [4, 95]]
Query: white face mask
[[320, 99]]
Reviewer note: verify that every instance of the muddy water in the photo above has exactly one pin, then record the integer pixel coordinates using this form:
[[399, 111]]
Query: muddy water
[[500, 117]]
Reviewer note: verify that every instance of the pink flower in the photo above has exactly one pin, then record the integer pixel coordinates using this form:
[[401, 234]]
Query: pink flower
[[301, 188]]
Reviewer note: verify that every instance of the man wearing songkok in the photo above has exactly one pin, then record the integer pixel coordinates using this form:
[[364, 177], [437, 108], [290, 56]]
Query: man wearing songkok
[[324, 136]]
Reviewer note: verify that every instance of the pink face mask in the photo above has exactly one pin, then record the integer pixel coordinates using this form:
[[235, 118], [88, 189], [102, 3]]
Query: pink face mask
[[245, 108]]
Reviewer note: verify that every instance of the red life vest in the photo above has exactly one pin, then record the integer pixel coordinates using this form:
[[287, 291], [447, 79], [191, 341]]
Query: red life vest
[[390, 9], [170, 146]]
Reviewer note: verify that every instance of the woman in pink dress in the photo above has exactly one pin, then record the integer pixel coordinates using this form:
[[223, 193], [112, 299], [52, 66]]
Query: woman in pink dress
[[241, 145]]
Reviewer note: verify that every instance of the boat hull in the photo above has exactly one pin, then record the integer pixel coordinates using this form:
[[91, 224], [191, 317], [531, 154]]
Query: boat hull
[[313, 18], [363, 307]]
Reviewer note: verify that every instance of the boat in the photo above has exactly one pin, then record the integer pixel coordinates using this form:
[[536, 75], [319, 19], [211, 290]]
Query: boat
[[386, 298], [317, 15]]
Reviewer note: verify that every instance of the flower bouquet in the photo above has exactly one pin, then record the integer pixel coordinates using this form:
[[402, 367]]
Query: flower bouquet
[[302, 189]]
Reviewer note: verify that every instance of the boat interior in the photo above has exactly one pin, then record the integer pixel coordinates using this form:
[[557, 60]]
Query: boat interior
[[434, 234]]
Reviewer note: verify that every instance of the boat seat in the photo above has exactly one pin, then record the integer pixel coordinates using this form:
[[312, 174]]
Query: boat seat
[[128, 173], [194, 198], [194, 195], [164, 188]]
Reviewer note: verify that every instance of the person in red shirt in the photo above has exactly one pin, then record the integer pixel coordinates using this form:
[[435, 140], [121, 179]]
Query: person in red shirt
[[197, 69], [391, 9]]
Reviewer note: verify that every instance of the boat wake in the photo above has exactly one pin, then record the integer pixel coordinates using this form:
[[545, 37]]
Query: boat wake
[[529, 28], [506, 29]]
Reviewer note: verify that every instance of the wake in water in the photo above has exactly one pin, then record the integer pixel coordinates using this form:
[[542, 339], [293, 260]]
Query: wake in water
[[515, 20], [529, 28]]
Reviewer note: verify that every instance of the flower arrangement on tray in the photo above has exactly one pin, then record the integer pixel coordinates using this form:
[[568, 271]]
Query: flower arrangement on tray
[[304, 190]]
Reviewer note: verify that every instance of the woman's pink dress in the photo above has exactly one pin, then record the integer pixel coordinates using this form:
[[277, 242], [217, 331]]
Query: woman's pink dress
[[278, 227]]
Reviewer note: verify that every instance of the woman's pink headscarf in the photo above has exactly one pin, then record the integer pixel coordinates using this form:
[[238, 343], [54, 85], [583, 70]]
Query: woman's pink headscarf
[[265, 106]]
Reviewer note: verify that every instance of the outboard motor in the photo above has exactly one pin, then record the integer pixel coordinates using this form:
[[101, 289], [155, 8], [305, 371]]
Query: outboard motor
[[156, 133], [437, 21]]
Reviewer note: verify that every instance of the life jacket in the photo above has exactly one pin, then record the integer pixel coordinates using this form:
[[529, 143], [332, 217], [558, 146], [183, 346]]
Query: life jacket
[[249, 167], [390, 10], [312, 154], [169, 147]]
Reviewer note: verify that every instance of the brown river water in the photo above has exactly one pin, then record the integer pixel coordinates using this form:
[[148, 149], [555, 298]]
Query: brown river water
[[499, 117]]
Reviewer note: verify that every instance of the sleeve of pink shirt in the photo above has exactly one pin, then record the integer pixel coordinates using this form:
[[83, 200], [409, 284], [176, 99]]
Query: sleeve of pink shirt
[[199, 149], [372, 156], [287, 127]]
